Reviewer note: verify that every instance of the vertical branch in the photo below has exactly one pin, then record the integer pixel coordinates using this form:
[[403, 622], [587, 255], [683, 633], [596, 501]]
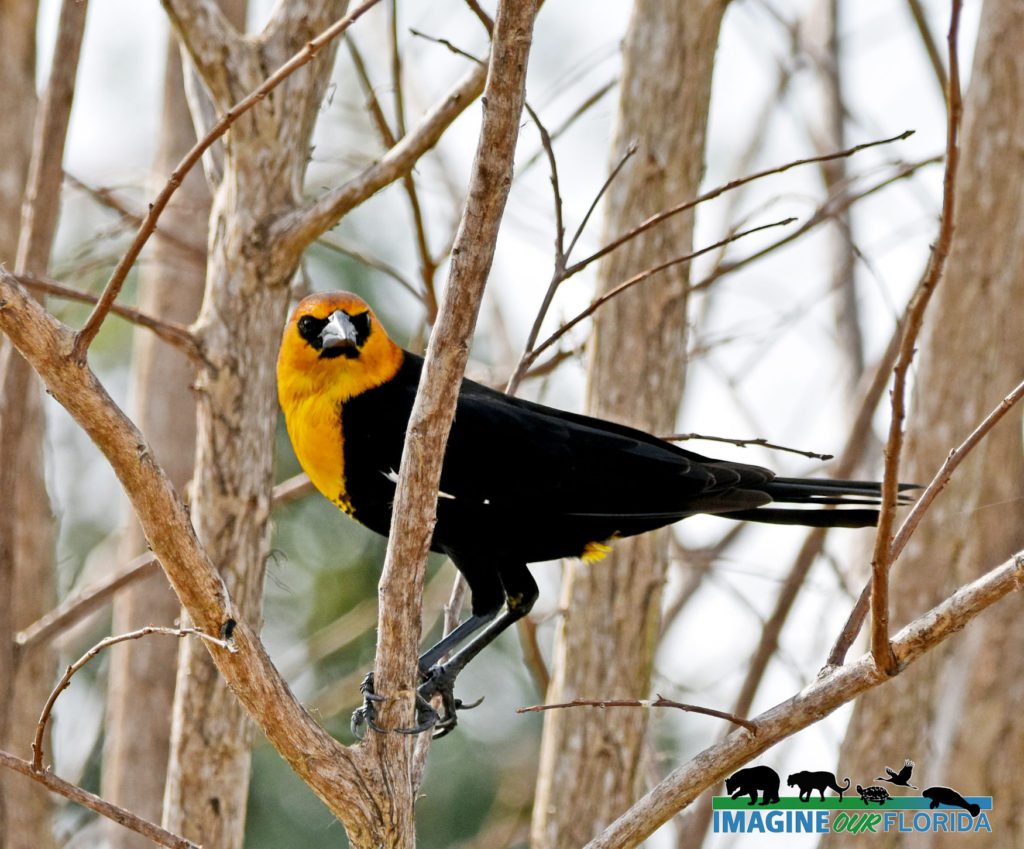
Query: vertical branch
[[883, 553], [416, 495]]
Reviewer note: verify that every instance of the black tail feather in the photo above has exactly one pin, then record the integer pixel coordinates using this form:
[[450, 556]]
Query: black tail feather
[[854, 518], [853, 495]]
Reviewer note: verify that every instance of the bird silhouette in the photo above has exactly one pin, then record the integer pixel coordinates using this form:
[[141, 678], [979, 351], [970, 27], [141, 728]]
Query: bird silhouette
[[901, 778]]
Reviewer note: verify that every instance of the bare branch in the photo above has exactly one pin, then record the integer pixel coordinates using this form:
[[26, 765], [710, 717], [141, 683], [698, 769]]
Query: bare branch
[[531, 356], [109, 200], [743, 443], [328, 768], [307, 224], [921, 505], [210, 38], [945, 472], [101, 806], [65, 680], [835, 688], [88, 332], [660, 701], [420, 470], [88, 600], [882, 557], [173, 334], [931, 48], [727, 187]]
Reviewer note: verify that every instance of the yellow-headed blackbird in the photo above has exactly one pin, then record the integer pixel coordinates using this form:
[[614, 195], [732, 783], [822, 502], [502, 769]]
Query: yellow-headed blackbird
[[521, 482]]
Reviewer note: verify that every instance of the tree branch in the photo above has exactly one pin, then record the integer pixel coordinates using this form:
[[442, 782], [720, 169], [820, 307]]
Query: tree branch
[[65, 680], [101, 806], [882, 557], [336, 774], [88, 332], [415, 501], [808, 706], [305, 225]]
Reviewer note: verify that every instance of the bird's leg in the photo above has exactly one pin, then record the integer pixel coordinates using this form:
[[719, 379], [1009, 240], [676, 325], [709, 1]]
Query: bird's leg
[[455, 638], [521, 593], [366, 714]]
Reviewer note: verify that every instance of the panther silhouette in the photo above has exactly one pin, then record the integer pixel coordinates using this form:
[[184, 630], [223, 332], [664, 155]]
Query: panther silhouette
[[808, 782]]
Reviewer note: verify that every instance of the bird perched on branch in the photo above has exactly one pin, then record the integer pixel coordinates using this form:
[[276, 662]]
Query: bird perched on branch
[[521, 482]]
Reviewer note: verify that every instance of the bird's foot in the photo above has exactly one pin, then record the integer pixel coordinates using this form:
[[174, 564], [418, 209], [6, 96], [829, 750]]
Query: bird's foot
[[366, 714], [439, 680]]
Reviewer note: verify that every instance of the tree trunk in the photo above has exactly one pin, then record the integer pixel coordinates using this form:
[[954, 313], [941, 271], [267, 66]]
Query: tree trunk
[[956, 713], [142, 672], [244, 308], [26, 522], [592, 761]]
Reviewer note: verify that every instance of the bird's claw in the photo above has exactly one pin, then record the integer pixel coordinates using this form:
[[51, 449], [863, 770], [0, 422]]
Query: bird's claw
[[438, 681], [367, 712]]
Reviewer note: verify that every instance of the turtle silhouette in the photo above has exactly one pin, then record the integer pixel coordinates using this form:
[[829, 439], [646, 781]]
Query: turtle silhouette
[[873, 794], [901, 778]]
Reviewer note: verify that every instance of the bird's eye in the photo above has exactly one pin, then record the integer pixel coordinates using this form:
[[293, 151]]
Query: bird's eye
[[309, 328]]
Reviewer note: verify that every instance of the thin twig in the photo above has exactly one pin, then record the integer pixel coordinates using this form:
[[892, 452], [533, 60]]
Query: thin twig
[[930, 46], [945, 472], [921, 504], [370, 262], [484, 18], [726, 187], [660, 701], [881, 559], [89, 599], [72, 610], [743, 443], [601, 300], [91, 327], [107, 198], [173, 334], [65, 681], [101, 806], [560, 274], [829, 208]]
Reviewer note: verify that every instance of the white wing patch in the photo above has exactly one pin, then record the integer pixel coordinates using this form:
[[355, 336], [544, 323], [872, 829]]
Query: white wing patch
[[392, 476]]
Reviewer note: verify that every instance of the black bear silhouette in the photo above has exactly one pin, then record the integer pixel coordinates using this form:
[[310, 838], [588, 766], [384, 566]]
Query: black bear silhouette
[[808, 782], [747, 782], [901, 778], [948, 796]]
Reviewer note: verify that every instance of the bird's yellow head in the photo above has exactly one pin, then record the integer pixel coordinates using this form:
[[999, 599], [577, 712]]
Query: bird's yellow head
[[333, 348]]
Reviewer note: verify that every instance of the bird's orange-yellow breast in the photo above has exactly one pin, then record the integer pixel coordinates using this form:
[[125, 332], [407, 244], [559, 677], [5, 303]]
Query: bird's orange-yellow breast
[[312, 389]]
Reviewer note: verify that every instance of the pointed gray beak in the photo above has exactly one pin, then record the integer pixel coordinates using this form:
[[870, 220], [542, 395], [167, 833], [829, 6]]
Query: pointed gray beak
[[339, 332]]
